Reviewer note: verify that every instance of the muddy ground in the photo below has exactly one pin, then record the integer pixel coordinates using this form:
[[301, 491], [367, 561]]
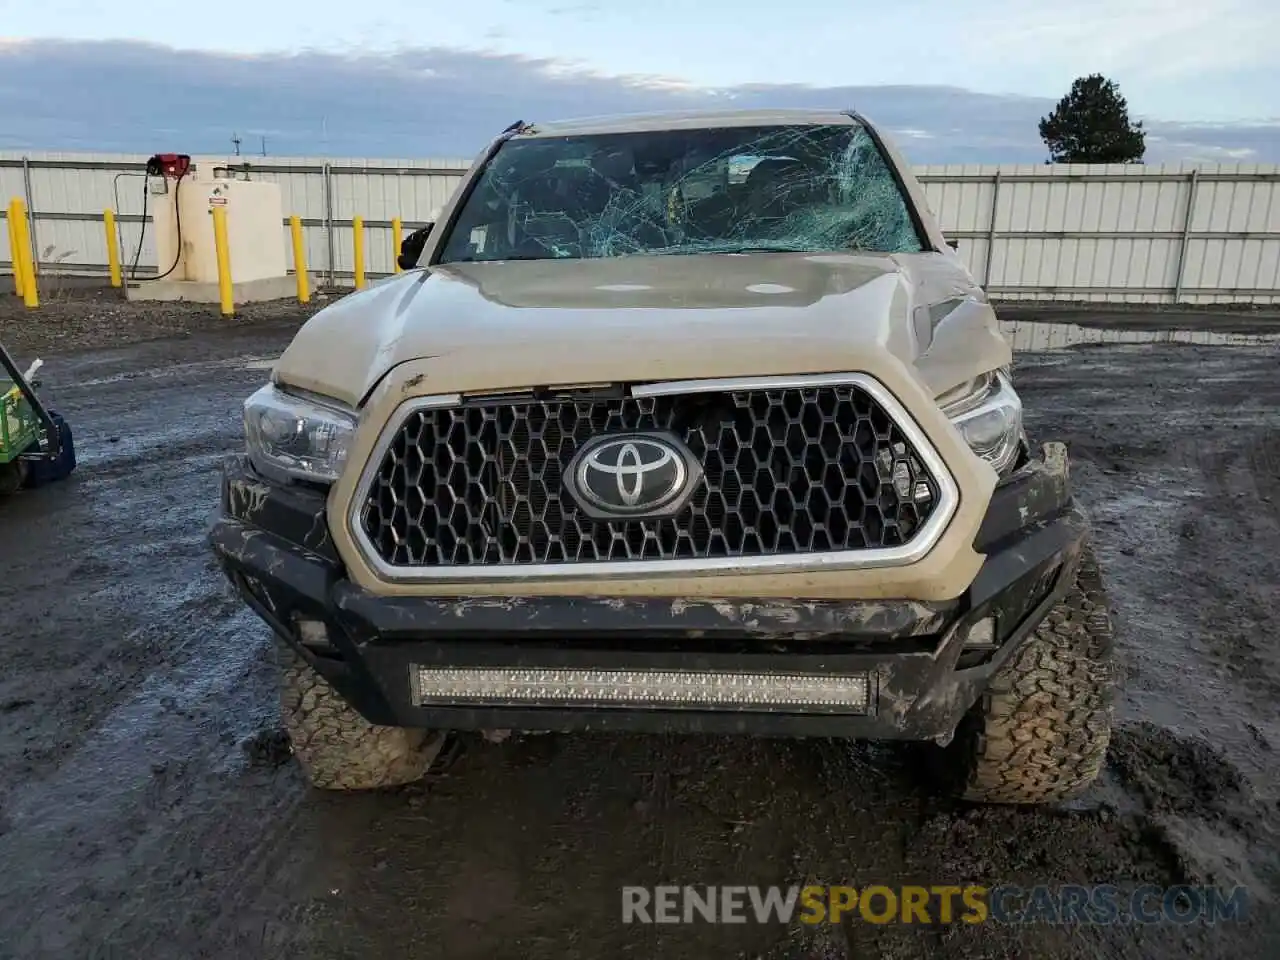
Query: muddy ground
[[148, 806]]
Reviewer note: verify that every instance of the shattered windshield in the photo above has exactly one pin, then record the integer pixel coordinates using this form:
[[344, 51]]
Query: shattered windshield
[[812, 188]]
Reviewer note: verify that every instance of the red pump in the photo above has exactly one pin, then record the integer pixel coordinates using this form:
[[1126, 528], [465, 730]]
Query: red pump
[[171, 166]]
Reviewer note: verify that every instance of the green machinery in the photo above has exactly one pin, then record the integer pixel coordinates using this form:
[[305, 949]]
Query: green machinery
[[35, 443]]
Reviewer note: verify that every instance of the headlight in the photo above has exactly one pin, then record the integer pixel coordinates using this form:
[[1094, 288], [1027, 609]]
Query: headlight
[[291, 436], [988, 414]]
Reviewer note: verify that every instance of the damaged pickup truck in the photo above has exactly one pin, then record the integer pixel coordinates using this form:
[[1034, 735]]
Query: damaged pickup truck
[[675, 423]]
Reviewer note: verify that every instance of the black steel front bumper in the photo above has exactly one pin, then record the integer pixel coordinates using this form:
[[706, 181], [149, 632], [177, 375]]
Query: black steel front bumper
[[927, 663]]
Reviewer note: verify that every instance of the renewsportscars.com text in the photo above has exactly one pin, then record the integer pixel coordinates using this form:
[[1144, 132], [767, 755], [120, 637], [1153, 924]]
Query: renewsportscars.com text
[[1068, 904]]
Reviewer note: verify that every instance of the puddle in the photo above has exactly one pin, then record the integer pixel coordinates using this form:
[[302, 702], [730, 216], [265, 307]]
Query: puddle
[[1037, 335]]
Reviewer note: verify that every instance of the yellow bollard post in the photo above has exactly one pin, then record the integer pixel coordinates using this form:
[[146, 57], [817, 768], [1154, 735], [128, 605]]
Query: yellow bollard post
[[299, 260], [223, 252], [397, 238], [11, 221], [113, 246], [357, 232], [26, 261]]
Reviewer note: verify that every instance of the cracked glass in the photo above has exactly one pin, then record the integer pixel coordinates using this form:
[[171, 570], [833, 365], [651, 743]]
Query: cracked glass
[[807, 188]]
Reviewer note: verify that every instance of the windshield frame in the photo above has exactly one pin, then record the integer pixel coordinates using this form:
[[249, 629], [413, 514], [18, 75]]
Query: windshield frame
[[441, 240]]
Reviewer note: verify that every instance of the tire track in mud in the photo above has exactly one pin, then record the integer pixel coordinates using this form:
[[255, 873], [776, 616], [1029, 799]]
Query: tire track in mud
[[158, 799], [109, 788], [1175, 451], [1183, 518], [149, 655]]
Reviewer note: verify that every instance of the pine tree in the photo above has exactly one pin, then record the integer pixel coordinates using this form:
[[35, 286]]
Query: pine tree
[[1091, 125]]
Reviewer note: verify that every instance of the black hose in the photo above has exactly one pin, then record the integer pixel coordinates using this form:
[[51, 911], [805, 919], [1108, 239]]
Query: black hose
[[137, 254], [177, 213]]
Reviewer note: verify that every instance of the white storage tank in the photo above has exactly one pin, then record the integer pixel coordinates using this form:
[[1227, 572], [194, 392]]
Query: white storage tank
[[255, 237]]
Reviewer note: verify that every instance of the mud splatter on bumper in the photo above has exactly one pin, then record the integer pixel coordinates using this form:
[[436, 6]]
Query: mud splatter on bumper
[[928, 662]]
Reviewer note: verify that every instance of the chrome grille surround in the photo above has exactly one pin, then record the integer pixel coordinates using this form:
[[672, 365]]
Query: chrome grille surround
[[892, 424]]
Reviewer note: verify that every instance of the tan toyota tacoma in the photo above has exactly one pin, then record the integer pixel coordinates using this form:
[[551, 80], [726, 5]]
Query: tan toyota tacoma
[[677, 423]]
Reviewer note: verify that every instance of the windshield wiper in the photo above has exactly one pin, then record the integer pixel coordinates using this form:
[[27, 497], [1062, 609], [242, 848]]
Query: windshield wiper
[[509, 256], [763, 247], [679, 250]]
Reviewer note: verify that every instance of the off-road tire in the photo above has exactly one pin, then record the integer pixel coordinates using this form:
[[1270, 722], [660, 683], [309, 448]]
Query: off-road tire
[[1040, 732], [336, 747]]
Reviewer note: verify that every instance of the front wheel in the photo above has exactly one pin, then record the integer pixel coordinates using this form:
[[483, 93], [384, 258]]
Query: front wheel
[[336, 747], [1040, 732]]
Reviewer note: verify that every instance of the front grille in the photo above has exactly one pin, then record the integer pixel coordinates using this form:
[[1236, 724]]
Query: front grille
[[784, 471]]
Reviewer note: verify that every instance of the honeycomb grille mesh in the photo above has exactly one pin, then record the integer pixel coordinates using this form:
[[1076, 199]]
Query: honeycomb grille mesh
[[785, 471]]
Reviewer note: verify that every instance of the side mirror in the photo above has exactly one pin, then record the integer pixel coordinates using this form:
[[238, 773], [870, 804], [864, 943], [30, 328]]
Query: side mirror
[[411, 247], [953, 244]]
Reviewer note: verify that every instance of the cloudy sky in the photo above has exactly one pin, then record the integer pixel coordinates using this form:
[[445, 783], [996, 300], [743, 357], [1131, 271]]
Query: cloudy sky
[[958, 80]]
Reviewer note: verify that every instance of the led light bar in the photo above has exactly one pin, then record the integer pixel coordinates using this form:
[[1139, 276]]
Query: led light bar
[[654, 689]]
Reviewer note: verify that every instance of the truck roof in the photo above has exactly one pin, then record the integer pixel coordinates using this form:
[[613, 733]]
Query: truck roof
[[685, 120]]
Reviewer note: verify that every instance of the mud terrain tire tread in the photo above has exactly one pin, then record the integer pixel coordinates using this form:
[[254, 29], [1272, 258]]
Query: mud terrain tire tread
[[1041, 731], [336, 747]]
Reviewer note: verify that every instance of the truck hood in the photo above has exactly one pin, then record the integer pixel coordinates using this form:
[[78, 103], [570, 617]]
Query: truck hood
[[515, 324]]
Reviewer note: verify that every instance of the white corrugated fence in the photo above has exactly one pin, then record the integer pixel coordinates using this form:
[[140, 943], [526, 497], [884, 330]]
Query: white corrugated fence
[[1124, 233]]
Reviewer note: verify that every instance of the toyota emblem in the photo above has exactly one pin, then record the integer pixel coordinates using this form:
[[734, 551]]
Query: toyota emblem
[[627, 475]]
